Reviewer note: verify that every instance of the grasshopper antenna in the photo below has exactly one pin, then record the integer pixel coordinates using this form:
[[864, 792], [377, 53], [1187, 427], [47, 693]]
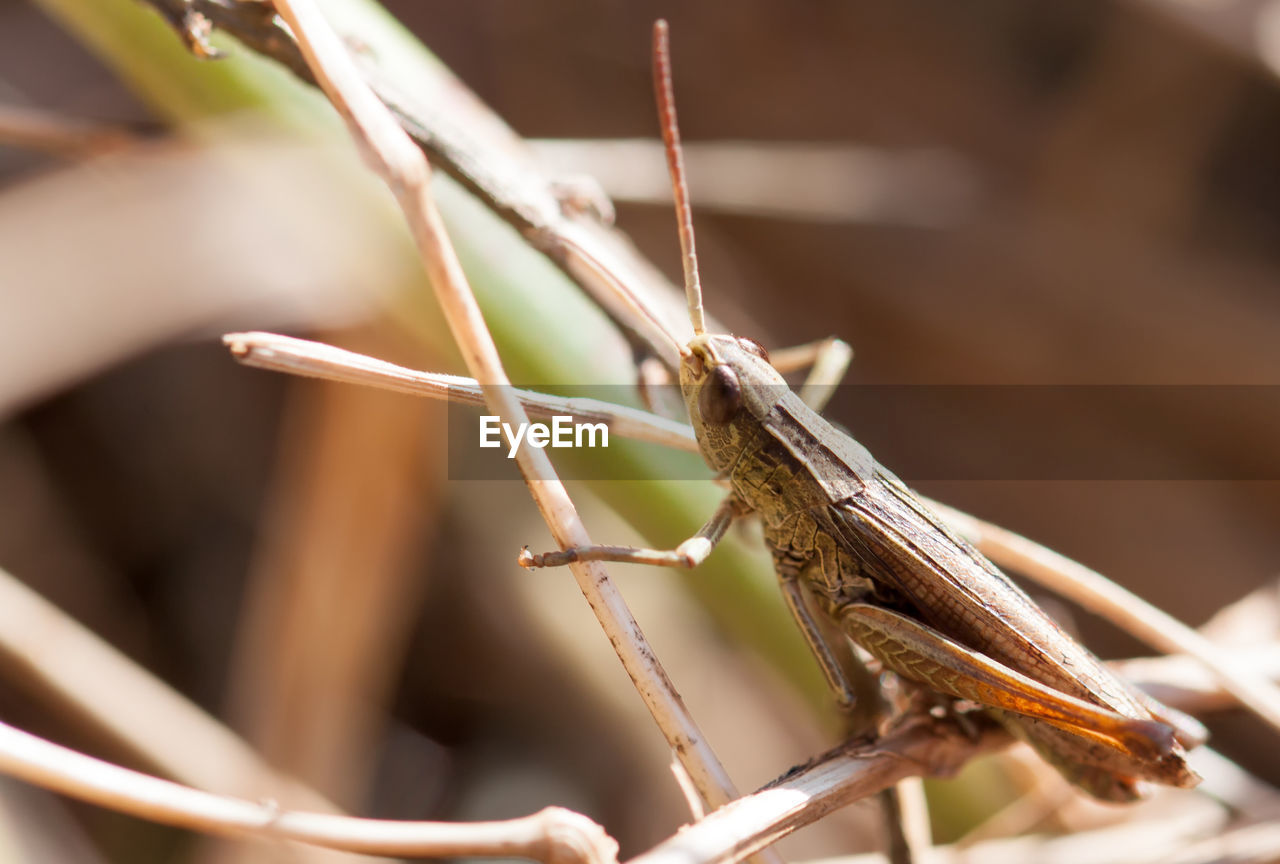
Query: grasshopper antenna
[[675, 163]]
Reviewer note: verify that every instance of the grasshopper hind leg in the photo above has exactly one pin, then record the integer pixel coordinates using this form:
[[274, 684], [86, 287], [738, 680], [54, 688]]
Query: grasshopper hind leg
[[1105, 743]]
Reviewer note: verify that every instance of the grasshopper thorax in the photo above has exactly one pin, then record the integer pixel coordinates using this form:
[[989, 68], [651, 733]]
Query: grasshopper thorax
[[728, 387]]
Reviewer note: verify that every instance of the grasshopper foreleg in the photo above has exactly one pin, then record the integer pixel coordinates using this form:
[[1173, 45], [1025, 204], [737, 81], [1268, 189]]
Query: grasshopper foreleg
[[690, 553]]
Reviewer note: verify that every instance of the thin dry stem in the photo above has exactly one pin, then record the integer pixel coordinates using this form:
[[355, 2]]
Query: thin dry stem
[[846, 775], [1100, 595], [405, 170], [553, 835], [317, 360]]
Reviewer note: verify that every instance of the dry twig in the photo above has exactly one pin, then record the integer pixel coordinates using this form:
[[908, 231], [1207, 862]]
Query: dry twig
[[553, 835], [405, 170], [317, 360], [850, 773]]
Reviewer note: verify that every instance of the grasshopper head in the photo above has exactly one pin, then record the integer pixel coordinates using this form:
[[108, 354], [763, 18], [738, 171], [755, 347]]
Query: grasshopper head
[[728, 387]]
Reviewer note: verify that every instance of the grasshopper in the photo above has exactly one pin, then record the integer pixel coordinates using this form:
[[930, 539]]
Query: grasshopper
[[857, 553]]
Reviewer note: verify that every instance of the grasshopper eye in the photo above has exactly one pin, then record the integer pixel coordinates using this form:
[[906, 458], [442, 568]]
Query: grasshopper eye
[[721, 396], [754, 347]]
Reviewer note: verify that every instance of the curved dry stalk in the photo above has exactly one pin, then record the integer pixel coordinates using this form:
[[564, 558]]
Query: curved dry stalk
[[848, 774], [1101, 596], [553, 835], [405, 170]]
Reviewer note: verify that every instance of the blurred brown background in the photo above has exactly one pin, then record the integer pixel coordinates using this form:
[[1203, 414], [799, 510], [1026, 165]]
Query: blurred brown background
[[1116, 221]]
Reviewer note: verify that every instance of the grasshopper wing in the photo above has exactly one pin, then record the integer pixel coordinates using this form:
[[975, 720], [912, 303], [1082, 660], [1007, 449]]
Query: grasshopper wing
[[956, 609]]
